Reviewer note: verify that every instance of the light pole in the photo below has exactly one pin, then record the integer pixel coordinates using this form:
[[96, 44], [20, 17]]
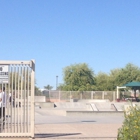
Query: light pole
[[56, 82]]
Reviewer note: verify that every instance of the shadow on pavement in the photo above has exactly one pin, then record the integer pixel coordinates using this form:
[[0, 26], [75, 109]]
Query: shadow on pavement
[[88, 121], [46, 135]]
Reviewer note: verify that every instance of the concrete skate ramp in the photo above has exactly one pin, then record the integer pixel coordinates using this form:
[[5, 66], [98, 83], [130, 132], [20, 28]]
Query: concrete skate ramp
[[105, 106], [94, 107], [73, 106], [94, 113], [94, 100], [120, 105]]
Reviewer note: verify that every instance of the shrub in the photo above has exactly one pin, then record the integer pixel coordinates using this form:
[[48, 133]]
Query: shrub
[[130, 129]]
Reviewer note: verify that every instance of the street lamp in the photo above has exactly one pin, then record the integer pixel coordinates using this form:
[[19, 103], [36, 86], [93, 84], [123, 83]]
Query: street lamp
[[56, 82]]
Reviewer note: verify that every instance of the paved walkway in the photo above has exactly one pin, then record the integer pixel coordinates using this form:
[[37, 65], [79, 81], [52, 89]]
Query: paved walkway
[[76, 131], [73, 132]]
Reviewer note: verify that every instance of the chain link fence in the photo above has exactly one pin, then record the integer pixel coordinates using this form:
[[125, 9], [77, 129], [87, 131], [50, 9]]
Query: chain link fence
[[76, 95]]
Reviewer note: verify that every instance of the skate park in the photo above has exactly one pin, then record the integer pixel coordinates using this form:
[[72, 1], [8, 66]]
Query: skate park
[[79, 118], [67, 122], [83, 119], [59, 114]]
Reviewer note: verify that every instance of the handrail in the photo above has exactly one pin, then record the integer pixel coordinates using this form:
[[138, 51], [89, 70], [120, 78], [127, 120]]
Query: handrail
[[114, 107]]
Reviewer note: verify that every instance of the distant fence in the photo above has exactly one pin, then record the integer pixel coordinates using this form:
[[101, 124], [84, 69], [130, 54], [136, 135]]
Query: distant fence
[[76, 95]]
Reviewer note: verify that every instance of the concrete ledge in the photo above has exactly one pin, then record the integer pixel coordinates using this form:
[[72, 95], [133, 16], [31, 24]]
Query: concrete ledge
[[92, 113], [94, 100], [73, 105]]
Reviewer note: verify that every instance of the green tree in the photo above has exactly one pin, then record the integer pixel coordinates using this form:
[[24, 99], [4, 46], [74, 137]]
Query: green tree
[[48, 87], [119, 77], [102, 81], [114, 79], [78, 77], [38, 91]]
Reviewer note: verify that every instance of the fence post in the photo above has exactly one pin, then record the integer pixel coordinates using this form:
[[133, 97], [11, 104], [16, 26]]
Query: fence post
[[32, 99], [70, 96], [114, 96], [49, 96], [59, 95], [91, 94], [80, 95], [103, 95]]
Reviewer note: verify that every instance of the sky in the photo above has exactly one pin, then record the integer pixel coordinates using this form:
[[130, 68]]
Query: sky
[[105, 34]]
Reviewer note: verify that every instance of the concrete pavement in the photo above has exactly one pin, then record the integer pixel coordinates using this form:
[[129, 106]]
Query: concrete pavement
[[50, 125], [76, 131]]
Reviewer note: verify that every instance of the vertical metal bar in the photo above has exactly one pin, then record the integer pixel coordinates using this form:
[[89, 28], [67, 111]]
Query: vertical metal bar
[[9, 95], [24, 116], [49, 95], [24, 98], [0, 106], [21, 99], [59, 95], [114, 96], [30, 71], [7, 105], [5, 102], [32, 98], [18, 76], [11, 109], [27, 100], [70, 96], [15, 98], [103, 95], [2, 109]]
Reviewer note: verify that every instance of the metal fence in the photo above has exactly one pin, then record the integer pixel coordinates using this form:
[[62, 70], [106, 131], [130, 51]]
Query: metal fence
[[54, 95], [76, 95], [16, 108]]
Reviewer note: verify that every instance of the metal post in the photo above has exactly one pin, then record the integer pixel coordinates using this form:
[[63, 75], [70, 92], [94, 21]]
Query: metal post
[[70, 96], [32, 99], [118, 91], [103, 95], [59, 95], [114, 96], [91, 94], [81, 95]]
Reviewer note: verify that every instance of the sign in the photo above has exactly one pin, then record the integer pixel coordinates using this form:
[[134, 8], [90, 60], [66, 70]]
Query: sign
[[4, 74]]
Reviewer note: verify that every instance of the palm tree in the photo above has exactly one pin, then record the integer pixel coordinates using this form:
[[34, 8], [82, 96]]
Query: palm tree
[[48, 87]]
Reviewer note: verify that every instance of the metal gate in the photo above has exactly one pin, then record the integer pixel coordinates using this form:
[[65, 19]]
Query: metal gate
[[17, 98]]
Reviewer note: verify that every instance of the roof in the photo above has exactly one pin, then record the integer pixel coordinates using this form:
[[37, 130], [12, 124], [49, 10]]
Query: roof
[[132, 84]]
